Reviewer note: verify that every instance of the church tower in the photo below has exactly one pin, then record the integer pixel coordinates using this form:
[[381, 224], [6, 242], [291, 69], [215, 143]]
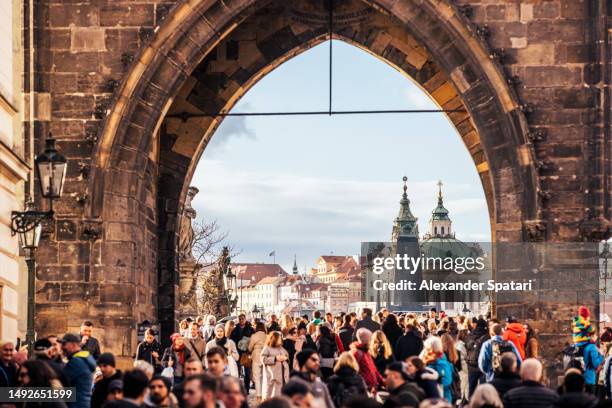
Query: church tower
[[439, 223], [405, 225], [295, 267], [405, 241]]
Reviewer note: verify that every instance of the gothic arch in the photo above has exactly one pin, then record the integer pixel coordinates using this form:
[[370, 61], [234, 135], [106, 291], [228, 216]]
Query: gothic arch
[[143, 161]]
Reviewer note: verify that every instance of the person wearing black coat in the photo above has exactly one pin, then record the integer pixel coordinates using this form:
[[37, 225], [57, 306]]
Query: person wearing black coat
[[507, 379], [366, 322], [327, 349], [345, 332], [346, 381], [425, 377], [410, 344], [473, 344], [573, 393], [392, 329], [531, 393], [150, 350]]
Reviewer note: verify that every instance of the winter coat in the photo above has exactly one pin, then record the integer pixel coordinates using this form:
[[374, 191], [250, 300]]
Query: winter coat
[[145, 350], [473, 345], [368, 323], [79, 372], [393, 333], [406, 395], [274, 370], [100, 390], [367, 368], [256, 343], [592, 360], [239, 332], [345, 383], [197, 348], [381, 362], [318, 388], [576, 400], [8, 374], [410, 344], [444, 368], [530, 394], [230, 348], [485, 358], [346, 335], [93, 346], [170, 353], [427, 380], [515, 332], [504, 382]]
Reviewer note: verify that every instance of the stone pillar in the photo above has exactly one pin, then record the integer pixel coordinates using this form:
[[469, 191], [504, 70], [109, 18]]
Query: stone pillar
[[188, 265]]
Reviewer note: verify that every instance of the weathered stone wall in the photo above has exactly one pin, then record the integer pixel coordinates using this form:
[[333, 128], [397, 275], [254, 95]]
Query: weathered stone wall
[[108, 72]]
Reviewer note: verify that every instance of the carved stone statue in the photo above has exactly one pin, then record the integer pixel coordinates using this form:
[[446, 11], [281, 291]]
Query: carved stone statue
[[186, 228]]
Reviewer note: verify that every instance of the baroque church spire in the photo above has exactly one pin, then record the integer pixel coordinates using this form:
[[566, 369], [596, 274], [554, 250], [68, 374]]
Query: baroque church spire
[[295, 267], [440, 223], [405, 223]]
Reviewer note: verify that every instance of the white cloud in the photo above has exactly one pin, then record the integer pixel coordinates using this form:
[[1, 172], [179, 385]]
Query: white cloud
[[309, 215]]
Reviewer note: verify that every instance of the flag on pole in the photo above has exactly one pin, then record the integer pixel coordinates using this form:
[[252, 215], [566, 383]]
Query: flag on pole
[[273, 253]]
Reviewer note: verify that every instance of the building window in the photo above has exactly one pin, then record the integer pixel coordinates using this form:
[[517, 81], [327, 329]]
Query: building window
[[442, 230], [435, 230]]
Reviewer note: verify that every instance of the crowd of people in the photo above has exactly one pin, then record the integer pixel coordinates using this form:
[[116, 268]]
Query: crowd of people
[[349, 360]]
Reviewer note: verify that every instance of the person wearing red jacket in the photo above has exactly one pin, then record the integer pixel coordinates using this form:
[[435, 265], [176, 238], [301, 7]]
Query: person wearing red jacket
[[516, 333], [367, 368]]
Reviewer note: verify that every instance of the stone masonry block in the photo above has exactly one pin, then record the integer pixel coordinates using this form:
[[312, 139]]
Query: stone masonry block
[[89, 39]]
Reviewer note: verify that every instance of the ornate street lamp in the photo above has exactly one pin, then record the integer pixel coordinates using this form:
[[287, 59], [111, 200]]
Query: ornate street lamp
[[51, 168], [255, 311]]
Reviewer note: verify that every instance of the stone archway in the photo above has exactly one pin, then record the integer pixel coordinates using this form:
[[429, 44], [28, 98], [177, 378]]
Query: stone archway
[[142, 161]]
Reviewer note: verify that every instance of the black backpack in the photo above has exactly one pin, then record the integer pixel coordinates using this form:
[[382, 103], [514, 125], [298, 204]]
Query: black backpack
[[473, 350]]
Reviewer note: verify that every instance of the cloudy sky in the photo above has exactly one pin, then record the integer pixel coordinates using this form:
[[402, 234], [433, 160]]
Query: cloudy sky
[[317, 185]]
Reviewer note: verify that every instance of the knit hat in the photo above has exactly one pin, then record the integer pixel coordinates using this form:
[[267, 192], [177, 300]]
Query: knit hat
[[303, 356], [174, 336], [584, 312], [220, 326], [581, 327], [106, 359]]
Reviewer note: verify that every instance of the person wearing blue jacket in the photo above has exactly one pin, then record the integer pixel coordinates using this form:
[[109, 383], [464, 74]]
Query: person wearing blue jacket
[[79, 370], [592, 360], [485, 358], [434, 358]]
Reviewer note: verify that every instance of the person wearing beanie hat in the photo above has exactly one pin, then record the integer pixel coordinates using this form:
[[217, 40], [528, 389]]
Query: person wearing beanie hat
[[582, 330], [106, 362], [228, 345], [309, 364], [175, 356], [583, 335]]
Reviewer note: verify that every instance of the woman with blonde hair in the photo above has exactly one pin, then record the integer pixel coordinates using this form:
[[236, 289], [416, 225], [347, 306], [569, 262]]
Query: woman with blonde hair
[[485, 396], [381, 351], [286, 323], [346, 381], [276, 367]]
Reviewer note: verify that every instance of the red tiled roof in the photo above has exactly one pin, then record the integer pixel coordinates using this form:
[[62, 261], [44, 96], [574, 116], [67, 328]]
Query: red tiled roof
[[333, 259], [254, 272]]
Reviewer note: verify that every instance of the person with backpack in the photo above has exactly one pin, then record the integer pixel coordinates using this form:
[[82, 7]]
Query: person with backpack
[[473, 344], [586, 351], [489, 359], [346, 381]]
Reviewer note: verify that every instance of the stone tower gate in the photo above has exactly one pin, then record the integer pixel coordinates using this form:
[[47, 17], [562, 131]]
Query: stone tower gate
[[118, 82]]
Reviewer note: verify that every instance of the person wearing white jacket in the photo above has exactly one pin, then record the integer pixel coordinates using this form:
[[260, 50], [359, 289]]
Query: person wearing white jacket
[[228, 345], [256, 344], [276, 366]]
